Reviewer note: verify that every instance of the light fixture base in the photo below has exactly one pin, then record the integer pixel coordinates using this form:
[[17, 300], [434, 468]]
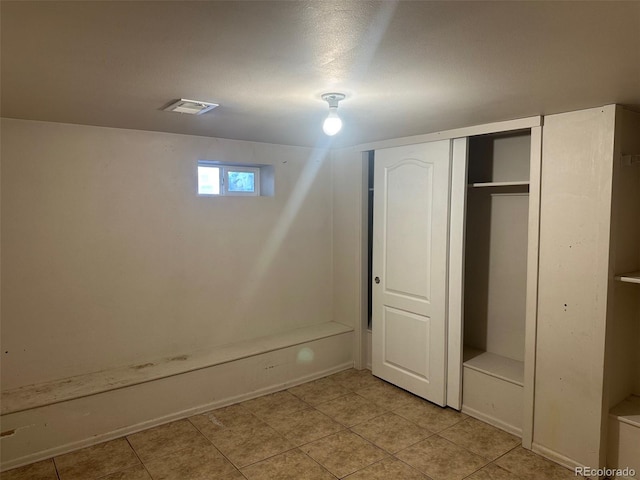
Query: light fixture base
[[333, 98]]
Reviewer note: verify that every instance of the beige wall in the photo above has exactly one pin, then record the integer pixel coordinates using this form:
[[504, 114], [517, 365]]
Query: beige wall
[[110, 258]]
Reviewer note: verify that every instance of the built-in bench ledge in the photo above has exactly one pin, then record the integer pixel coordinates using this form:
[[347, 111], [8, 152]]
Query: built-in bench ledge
[[33, 396]]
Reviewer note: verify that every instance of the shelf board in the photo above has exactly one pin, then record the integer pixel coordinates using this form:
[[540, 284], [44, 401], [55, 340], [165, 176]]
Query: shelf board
[[498, 184], [628, 411], [632, 277], [495, 365]]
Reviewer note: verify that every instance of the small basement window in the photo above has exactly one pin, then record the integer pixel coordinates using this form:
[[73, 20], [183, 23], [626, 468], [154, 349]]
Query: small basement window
[[216, 178]]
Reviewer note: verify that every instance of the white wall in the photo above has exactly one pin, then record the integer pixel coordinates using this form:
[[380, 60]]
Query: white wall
[[577, 159], [110, 258], [350, 244]]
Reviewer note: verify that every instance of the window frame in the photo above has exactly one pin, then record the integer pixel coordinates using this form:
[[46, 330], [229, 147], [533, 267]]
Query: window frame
[[224, 169], [256, 180], [207, 165]]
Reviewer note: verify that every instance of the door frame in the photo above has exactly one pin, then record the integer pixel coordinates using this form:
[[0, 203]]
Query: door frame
[[455, 299], [531, 316]]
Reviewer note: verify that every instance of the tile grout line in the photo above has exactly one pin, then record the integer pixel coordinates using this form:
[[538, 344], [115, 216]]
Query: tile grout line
[[327, 401], [519, 444], [213, 444], [55, 466], [387, 454], [412, 467], [265, 458], [170, 453], [503, 455], [317, 463], [238, 468], [138, 457], [342, 428], [415, 443]]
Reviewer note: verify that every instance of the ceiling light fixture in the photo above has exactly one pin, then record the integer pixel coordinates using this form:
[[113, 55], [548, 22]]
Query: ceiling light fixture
[[193, 107], [332, 124]]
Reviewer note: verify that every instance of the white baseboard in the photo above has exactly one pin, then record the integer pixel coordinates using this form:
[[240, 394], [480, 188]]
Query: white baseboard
[[557, 457], [492, 421], [51, 430]]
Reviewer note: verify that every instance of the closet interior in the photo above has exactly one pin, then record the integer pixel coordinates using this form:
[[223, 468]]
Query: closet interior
[[623, 343], [495, 277]]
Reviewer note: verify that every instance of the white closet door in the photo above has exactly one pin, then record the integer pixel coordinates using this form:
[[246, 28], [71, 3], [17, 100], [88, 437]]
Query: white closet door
[[410, 226]]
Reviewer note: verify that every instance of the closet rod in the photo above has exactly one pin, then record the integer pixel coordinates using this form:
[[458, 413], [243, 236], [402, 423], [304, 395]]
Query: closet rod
[[628, 160]]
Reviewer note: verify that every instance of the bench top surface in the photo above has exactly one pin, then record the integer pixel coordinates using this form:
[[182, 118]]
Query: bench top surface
[[56, 391]]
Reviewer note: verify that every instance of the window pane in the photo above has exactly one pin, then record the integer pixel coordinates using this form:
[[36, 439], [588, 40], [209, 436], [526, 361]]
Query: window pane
[[208, 180], [241, 181]]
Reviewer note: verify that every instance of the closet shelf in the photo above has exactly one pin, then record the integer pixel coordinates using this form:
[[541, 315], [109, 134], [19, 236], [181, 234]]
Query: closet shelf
[[495, 365], [498, 184], [628, 411], [632, 277]]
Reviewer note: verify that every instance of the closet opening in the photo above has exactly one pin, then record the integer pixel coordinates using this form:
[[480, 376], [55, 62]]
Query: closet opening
[[495, 274], [370, 170]]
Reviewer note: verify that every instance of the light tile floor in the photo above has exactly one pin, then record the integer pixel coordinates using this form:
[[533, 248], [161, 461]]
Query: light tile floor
[[349, 425]]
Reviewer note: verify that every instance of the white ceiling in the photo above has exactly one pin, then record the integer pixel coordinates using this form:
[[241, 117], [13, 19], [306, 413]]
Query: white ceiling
[[407, 67]]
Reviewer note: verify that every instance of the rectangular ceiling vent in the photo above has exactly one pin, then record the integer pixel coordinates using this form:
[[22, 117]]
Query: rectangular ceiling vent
[[193, 107]]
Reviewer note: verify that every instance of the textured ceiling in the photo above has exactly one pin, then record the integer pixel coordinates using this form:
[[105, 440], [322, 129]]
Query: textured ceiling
[[407, 67]]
